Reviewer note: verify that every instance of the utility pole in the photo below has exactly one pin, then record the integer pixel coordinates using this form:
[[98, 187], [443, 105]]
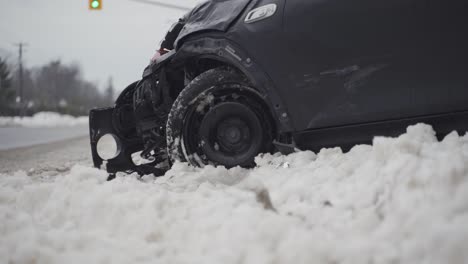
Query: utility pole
[[20, 63]]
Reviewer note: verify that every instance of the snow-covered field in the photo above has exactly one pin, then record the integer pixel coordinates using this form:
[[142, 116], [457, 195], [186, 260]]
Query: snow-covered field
[[402, 200], [43, 119]]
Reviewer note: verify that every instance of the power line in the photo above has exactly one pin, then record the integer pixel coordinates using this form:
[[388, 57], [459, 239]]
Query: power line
[[177, 7]]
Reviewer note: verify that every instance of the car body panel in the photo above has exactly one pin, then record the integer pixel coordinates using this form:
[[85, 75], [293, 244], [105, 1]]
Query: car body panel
[[337, 62], [214, 15]]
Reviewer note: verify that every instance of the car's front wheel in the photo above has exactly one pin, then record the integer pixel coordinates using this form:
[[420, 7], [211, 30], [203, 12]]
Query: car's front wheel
[[219, 119]]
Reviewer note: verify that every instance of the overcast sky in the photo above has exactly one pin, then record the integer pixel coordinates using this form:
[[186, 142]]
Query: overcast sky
[[117, 41]]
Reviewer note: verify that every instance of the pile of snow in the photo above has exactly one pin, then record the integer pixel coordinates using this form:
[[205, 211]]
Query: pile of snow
[[402, 200], [44, 119]]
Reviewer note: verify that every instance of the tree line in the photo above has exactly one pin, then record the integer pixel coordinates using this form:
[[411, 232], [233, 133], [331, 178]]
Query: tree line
[[54, 86]]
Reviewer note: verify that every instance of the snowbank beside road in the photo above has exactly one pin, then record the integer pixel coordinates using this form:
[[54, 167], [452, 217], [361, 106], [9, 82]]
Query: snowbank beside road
[[402, 200], [44, 119]]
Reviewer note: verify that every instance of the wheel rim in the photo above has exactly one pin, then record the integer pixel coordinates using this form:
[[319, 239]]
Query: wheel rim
[[231, 134], [226, 132]]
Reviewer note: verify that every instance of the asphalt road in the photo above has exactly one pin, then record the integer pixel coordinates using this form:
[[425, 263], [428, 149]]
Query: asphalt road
[[15, 137], [47, 159]]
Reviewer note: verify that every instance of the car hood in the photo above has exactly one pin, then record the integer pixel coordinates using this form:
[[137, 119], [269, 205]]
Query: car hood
[[214, 15]]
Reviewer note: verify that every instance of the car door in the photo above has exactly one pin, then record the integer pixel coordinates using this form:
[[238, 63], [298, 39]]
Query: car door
[[347, 61], [440, 68]]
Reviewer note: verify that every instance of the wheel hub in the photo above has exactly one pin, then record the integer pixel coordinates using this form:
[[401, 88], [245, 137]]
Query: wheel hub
[[231, 134]]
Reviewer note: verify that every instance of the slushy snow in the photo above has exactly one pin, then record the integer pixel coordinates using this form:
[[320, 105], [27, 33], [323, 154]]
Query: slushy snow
[[44, 119], [401, 200]]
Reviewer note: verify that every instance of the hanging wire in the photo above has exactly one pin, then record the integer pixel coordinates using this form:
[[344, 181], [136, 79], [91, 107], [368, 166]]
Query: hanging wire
[[166, 5]]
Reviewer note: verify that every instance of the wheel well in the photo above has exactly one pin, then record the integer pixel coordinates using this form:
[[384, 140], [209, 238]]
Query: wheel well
[[195, 66], [180, 75]]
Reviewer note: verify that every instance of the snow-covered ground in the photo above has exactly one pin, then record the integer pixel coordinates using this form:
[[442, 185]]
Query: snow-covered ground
[[402, 200], [43, 119]]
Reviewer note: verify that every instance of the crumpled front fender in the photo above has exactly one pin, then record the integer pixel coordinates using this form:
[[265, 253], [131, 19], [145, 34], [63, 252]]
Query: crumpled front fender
[[214, 15], [156, 66]]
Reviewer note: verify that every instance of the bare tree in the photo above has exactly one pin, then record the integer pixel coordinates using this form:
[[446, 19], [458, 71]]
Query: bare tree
[[7, 94], [61, 87], [109, 93]]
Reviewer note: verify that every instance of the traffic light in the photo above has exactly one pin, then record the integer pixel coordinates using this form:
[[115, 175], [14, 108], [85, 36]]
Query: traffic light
[[95, 4]]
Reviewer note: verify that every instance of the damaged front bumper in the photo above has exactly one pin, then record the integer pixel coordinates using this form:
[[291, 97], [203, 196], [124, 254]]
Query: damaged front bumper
[[132, 127], [101, 123]]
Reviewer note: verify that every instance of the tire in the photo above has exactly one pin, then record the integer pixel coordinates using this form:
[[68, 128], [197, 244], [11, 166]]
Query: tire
[[219, 119]]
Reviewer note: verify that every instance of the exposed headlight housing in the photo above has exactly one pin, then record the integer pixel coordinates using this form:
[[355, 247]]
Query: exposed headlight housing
[[108, 147]]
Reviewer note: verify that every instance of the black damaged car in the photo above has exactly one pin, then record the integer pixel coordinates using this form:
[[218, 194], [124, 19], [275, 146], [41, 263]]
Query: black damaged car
[[233, 79]]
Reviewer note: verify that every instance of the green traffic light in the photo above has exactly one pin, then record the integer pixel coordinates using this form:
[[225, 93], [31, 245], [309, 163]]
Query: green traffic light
[[95, 4]]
